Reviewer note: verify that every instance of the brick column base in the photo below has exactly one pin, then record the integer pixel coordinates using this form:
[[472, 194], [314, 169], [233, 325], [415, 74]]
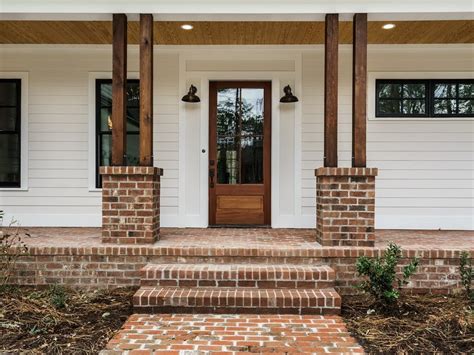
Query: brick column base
[[345, 206], [130, 204]]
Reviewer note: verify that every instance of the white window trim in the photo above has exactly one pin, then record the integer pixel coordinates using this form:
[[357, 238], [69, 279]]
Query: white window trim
[[373, 76], [23, 76], [93, 76]]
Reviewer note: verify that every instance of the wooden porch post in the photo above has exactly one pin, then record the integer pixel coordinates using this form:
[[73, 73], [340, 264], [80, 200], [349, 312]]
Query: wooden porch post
[[119, 89], [359, 91], [331, 44], [146, 89]]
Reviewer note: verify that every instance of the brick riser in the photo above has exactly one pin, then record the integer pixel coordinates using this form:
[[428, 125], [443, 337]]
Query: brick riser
[[248, 276], [236, 301]]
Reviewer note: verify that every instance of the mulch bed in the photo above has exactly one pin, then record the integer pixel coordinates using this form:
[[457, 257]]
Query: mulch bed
[[58, 320], [417, 324]]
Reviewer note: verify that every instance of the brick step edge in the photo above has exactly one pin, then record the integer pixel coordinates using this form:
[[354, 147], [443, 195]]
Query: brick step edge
[[236, 300], [244, 275]]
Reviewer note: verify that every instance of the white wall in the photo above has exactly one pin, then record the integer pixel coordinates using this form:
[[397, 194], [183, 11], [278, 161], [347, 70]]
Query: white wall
[[426, 177]]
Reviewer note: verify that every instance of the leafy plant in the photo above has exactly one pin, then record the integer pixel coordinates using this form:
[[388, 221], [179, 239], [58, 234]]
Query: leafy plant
[[467, 273], [11, 248], [381, 273], [58, 296]]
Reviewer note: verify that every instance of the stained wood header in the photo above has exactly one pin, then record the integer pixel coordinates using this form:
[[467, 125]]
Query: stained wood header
[[234, 33]]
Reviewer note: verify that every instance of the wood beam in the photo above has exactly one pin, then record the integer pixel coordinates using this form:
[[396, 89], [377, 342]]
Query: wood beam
[[119, 89], [359, 91], [146, 89], [331, 45]]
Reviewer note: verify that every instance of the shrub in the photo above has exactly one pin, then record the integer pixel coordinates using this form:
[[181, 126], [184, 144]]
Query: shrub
[[467, 273], [11, 248], [381, 274]]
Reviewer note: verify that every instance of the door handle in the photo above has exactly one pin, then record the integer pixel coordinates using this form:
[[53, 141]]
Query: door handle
[[211, 177]]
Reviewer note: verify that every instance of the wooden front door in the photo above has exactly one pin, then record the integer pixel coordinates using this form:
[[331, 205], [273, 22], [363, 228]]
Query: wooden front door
[[239, 153]]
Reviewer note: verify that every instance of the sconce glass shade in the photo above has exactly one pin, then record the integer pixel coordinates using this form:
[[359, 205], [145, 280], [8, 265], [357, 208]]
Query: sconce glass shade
[[191, 95], [288, 97]]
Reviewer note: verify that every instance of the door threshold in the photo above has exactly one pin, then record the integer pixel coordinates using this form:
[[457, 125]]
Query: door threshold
[[242, 226]]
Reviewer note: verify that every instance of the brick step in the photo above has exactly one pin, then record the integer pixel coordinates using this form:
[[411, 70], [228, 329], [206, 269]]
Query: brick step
[[236, 300], [236, 275]]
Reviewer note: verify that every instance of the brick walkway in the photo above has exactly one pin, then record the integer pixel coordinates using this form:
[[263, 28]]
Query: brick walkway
[[227, 334]]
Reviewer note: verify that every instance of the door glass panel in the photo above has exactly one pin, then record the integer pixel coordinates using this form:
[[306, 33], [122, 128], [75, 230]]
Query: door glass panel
[[227, 160], [8, 118], [8, 93], [252, 160], [240, 117]]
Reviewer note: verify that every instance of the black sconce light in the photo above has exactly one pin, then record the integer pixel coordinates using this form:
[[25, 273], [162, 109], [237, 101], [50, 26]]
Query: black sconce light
[[288, 97], [191, 95]]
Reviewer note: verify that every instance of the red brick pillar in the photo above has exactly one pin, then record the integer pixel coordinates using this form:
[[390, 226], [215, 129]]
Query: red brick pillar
[[130, 204], [345, 206]]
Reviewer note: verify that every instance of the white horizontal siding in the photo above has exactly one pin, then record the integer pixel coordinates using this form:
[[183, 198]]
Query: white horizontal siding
[[58, 103], [426, 168]]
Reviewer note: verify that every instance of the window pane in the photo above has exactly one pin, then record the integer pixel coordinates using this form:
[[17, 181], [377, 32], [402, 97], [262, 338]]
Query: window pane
[[444, 107], [414, 90], [8, 118], [228, 101], [414, 107], [252, 160], [10, 159], [252, 111], [106, 95], [8, 93], [133, 149], [228, 160], [445, 90], [389, 90], [105, 149], [133, 95], [133, 119], [387, 107], [466, 90], [105, 119], [465, 107]]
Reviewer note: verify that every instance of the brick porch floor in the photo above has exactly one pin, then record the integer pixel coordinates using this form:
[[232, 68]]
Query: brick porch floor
[[255, 238], [227, 334]]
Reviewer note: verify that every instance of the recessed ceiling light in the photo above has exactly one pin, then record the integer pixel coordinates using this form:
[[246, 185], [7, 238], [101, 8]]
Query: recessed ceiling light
[[187, 27], [388, 26]]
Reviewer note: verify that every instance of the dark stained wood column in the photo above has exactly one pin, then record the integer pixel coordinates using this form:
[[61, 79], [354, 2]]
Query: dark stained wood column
[[359, 90], [119, 89], [331, 45], [146, 89]]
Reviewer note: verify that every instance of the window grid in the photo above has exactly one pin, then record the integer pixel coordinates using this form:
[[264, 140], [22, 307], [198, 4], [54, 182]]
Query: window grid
[[429, 97], [15, 132], [100, 133]]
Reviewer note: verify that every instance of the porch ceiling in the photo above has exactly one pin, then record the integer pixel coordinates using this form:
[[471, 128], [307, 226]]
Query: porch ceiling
[[234, 33]]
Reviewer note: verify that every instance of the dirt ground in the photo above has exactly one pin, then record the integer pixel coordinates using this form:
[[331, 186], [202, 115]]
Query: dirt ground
[[418, 324], [59, 321]]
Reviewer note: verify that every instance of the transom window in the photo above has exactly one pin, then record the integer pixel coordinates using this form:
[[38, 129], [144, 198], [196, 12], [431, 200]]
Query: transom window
[[104, 124], [424, 98], [10, 132]]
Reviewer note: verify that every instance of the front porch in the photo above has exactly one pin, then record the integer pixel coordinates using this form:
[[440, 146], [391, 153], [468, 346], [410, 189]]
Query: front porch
[[77, 257]]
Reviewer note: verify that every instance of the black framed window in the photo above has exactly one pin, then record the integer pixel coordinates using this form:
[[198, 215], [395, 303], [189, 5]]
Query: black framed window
[[424, 98], [104, 124], [402, 98], [10, 132], [453, 98]]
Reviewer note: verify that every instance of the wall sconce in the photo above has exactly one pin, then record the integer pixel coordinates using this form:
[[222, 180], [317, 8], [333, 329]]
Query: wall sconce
[[191, 95], [288, 97]]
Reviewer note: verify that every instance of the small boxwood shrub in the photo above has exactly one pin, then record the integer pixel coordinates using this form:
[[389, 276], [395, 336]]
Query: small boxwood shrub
[[381, 274], [467, 273]]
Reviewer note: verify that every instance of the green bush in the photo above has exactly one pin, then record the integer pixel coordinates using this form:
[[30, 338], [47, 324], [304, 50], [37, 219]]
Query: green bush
[[58, 296], [382, 276], [467, 273]]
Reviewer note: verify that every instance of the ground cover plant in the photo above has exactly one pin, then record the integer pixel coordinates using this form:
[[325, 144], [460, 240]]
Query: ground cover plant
[[60, 321]]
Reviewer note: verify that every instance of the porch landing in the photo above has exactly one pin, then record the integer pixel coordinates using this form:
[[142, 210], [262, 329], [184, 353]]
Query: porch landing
[[249, 238]]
